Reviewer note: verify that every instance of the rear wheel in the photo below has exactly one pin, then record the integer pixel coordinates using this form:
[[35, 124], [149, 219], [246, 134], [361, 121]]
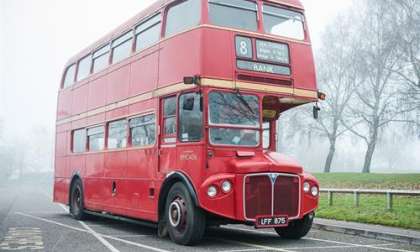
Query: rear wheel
[[186, 223], [76, 201], [297, 229]]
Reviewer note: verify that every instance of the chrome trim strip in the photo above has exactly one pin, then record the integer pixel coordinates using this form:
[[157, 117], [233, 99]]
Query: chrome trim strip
[[272, 192]]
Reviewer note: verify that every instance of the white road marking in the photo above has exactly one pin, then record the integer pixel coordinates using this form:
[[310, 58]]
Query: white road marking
[[64, 207], [306, 248], [258, 246], [85, 231], [358, 245], [99, 237], [328, 241], [22, 238]]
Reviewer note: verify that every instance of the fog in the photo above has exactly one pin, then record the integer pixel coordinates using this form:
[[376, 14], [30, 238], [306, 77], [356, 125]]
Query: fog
[[38, 37]]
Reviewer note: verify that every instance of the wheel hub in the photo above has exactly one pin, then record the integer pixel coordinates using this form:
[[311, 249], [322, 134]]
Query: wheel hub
[[177, 212]]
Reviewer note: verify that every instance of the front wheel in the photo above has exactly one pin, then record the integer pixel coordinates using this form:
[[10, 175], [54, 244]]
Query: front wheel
[[186, 223], [297, 229]]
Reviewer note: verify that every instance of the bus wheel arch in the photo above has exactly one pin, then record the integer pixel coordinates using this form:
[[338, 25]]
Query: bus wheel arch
[[169, 181]]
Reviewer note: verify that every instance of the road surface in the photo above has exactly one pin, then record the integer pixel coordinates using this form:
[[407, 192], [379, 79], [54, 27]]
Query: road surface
[[30, 221]]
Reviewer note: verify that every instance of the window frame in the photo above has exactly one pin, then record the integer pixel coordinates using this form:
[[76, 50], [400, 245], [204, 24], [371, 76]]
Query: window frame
[[174, 4], [257, 129], [138, 32], [90, 67], [84, 130], [228, 5], [98, 53], [155, 123], [273, 5], [178, 114], [173, 137], [108, 128], [119, 41], [88, 149], [63, 85]]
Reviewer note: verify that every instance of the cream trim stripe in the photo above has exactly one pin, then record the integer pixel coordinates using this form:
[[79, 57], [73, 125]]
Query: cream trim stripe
[[215, 83]]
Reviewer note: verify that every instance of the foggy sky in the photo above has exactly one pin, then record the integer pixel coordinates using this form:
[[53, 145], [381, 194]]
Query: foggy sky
[[38, 36]]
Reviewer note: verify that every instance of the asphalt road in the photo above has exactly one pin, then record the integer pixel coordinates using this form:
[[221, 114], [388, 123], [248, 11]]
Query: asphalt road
[[29, 221]]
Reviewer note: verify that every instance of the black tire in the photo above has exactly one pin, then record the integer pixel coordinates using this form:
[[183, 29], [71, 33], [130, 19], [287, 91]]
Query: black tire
[[77, 201], [297, 229], [186, 223]]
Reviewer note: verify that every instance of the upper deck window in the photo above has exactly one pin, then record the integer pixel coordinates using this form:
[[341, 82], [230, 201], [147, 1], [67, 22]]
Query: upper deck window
[[148, 32], [121, 47], [240, 14], [282, 22], [183, 16], [83, 70], [101, 59], [69, 76]]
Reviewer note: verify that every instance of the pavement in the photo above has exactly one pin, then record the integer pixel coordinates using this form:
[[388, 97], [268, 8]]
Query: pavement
[[30, 221], [369, 230]]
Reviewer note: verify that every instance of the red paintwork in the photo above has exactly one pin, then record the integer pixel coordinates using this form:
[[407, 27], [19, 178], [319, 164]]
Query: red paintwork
[[206, 51]]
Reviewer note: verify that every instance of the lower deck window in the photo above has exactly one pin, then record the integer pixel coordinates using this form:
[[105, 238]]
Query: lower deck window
[[96, 138], [117, 134], [79, 141], [143, 131]]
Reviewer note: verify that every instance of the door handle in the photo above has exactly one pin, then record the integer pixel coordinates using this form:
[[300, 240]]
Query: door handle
[[114, 189]]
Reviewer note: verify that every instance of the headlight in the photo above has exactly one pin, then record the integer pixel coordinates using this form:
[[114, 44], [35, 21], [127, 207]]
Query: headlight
[[244, 47], [271, 51], [306, 187], [212, 191], [226, 186], [314, 191]]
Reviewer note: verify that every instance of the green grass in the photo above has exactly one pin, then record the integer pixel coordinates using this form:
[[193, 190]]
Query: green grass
[[369, 181], [372, 208]]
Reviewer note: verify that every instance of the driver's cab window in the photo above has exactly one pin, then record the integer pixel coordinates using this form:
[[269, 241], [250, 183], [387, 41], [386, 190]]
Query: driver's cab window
[[169, 120], [190, 117]]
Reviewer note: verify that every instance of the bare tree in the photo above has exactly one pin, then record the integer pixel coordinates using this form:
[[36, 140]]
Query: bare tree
[[337, 77], [378, 100], [406, 22]]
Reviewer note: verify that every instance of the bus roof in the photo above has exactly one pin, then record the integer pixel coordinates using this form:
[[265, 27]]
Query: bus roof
[[159, 4]]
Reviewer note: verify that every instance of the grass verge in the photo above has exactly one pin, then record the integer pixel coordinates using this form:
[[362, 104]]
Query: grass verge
[[372, 208]]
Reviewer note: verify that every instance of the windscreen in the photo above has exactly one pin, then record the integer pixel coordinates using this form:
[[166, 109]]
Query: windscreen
[[234, 119], [240, 14]]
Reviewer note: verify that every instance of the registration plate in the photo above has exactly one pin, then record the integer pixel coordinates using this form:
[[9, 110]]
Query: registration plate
[[271, 221]]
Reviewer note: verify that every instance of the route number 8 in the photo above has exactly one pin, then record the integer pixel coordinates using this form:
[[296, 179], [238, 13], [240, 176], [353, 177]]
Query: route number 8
[[243, 48]]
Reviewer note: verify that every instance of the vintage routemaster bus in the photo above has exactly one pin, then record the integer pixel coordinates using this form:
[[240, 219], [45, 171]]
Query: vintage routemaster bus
[[171, 119]]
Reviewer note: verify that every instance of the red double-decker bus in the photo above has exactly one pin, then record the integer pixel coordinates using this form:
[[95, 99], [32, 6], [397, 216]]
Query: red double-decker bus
[[171, 119]]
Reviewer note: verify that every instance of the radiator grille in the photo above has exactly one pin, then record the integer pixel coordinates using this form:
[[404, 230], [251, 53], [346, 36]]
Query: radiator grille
[[262, 196], [286, 192]]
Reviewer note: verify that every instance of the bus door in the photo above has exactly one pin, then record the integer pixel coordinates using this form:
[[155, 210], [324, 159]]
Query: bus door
[[168, 131], [191, 148]]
